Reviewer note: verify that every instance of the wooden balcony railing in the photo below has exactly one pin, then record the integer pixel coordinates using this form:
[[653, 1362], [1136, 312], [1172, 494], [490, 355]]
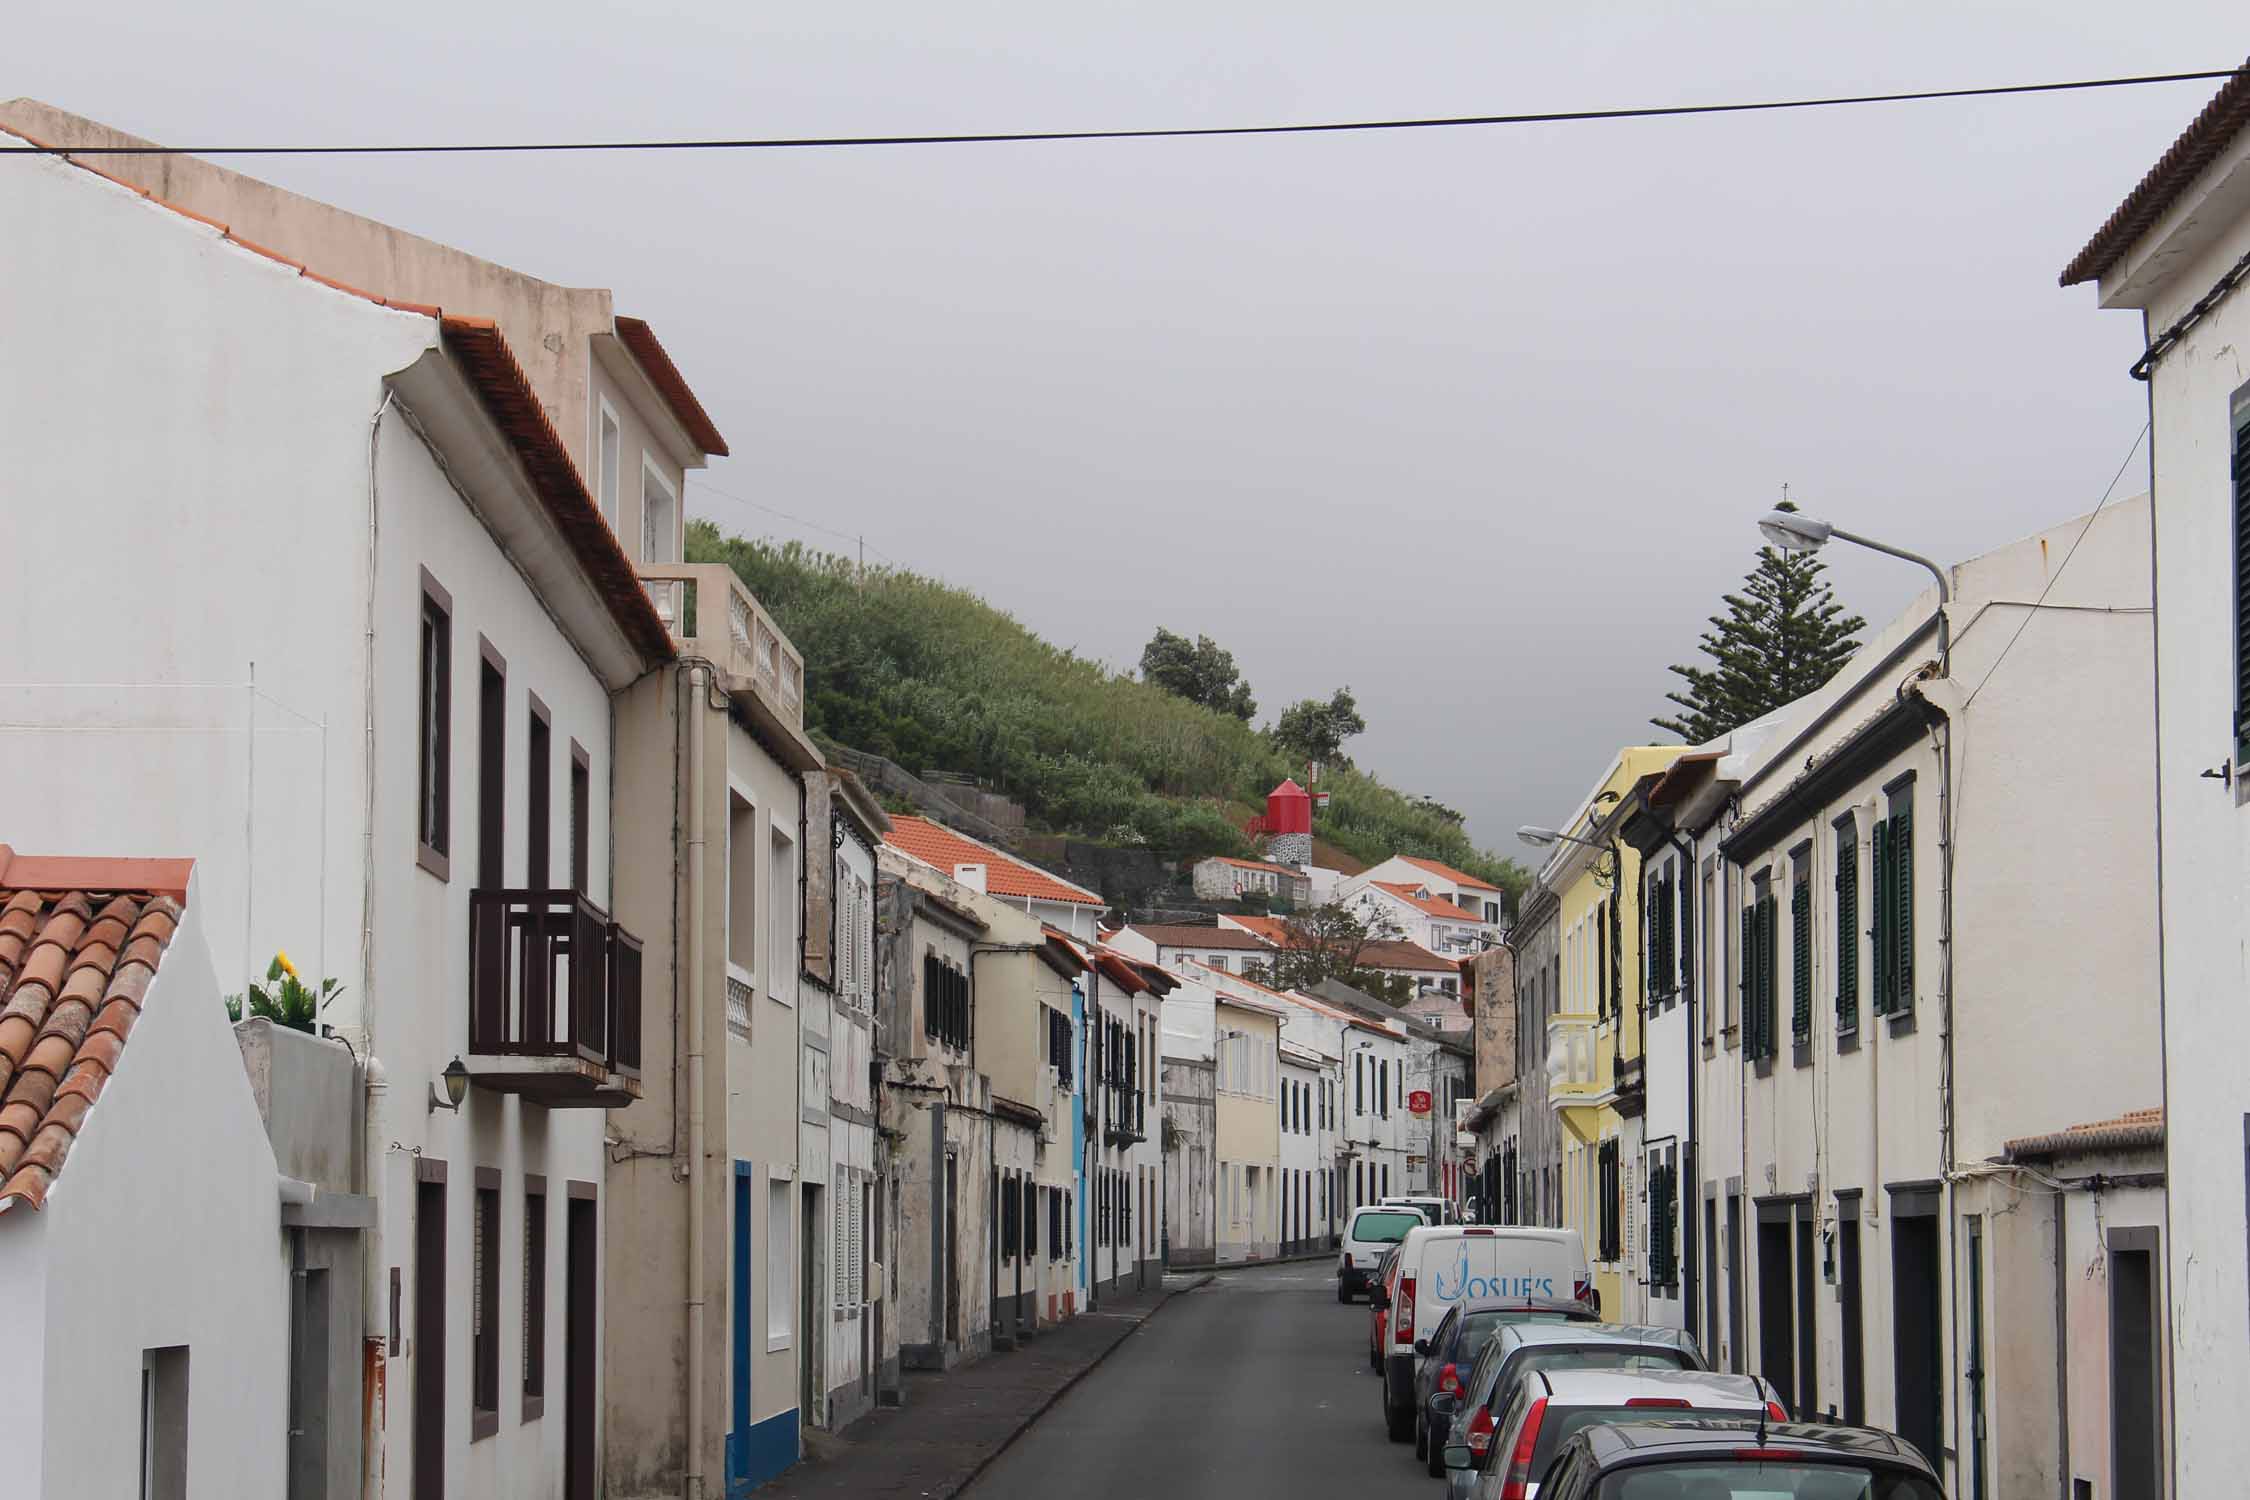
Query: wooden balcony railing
[[552, 977]]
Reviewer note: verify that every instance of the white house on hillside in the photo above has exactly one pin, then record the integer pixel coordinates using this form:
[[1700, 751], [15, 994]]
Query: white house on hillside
[[1482, 899], [1416, 913], [1226, 947], [2172, 253]]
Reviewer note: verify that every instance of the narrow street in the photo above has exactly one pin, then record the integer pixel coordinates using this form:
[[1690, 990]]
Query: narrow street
[[1255, 1385]]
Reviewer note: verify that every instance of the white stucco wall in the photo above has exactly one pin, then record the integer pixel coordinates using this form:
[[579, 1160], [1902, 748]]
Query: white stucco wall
[[174, 1141], [2195, 396]]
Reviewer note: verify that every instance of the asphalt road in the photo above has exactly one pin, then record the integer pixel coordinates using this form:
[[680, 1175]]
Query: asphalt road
[[1256, 1385]]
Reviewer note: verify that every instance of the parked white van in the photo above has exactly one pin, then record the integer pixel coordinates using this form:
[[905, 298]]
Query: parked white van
[[1367, 1234], [1544, 1270]]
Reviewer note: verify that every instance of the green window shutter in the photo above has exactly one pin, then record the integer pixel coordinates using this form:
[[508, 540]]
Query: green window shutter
[[1902, 881], [1746, 975], [2241, 594], [1616, 959], [1847, 933], [1880, 891], [1765, 975], [1800, 960]]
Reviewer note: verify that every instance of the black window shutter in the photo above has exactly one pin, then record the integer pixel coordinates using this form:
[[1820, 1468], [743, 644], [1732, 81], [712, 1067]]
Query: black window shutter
[[1847, 931], [2241, 594], [1902, 879], [1800, 959], [1746, 977], [1765, 974], [1880, 948]]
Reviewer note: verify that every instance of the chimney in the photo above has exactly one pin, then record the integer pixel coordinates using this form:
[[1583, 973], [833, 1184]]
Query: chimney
[[971, 876]]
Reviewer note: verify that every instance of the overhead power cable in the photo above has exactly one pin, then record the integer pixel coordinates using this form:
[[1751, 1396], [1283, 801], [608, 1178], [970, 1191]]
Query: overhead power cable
[[988, 138]]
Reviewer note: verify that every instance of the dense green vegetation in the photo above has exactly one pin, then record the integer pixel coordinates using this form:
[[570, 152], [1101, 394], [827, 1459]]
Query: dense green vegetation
[[934, 677]]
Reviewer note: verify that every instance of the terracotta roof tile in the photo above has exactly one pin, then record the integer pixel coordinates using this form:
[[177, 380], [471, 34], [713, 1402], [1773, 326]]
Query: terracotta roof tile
[[69, 1004], [1433, 906], [1458, 877], [2134, 1130], [2209, 134], [942, 849], [1191, 935], [671, 384]]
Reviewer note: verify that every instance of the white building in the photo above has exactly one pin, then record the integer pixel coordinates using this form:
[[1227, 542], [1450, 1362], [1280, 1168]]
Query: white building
[[114, 1050], [1480, 898], [1221, 878], [1415, 912], [433, 667], [2175, 244], [1189, 1050], [1123, 1155], [1227, 947], [1870, 1247], [1303, 1225]]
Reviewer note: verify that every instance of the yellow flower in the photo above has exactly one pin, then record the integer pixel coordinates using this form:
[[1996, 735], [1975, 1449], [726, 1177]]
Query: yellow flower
[[286, 966]]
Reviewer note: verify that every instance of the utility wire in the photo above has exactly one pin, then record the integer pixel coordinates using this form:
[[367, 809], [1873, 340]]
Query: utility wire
[[2055, 577], [848, 536], [986, 138]]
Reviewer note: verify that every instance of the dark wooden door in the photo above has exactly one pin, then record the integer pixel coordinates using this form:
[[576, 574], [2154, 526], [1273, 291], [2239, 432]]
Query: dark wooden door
[[1808, 1347], [1777, 1308], [1917, 1337], [2135, 1400], [429, 1332], [579, 1352], [1853, 1296], [949, 1236]]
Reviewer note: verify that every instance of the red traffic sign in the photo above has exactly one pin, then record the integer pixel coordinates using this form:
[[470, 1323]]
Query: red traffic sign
[[1418, 1102]]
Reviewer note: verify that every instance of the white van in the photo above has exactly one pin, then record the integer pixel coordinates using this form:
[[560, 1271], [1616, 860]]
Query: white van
[[1436, 1210], [1367, 1234], [1439, 1265]]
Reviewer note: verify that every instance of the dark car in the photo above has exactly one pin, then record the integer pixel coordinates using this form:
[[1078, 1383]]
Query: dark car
[[1378, 1310], [1446, 1355], [1515, 1350], [1725, 1459]]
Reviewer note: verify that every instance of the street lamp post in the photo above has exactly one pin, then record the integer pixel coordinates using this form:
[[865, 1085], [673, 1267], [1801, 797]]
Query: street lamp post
[[1795, 533]]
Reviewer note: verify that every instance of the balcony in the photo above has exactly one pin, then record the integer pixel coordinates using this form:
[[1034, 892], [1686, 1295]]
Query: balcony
[[554, 1000], [1573, 1062], [712, 616]]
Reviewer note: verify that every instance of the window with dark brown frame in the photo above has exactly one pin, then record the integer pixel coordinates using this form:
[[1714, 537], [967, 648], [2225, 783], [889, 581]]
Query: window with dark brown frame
[[492, 767], [534, 1296], [484, 1303], [433, 831], [581, 820], [538, 815]]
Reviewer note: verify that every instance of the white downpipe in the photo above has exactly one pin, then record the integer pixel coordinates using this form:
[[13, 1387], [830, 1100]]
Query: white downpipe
[[696, 818]]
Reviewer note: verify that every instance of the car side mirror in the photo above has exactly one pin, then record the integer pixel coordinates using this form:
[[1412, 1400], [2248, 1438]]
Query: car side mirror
[[1422, 1347], [1444, 1405], [1458, 1456], [1379, 1298]]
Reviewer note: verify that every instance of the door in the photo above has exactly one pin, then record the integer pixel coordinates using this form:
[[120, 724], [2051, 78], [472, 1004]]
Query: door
[[580, 1353], [1917, 1335], [1777, 1305], [429, 1331], [2135, 1375], [949, 1236], [1976, 1356], [738, 1338], [1851, 1296], [1808, 1350], [1735, 1360], [1711, 1274], [809, 1320]]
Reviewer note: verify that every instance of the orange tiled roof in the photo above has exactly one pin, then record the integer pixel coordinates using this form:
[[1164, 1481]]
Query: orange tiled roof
[[671, 384], [1433, 906], [513, 406], [75, 965], [2202, 143], [1005, 875], [1446, 871], [1274, 930], [1189, 935], [2134, 1130], [1389, 953]]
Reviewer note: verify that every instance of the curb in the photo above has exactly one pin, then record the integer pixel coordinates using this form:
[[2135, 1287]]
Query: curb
[[1064, 1389]]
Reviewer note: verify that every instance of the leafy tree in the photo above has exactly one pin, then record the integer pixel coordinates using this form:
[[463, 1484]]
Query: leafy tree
[[1330, 942], [1201, 673], [1315, 731], [1781, 637]]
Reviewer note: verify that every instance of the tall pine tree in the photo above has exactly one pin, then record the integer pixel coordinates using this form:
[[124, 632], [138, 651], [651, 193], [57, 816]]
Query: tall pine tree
[[1781, 637]]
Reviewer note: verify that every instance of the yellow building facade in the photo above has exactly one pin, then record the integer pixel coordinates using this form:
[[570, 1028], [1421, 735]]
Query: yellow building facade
[[1594, 1037]]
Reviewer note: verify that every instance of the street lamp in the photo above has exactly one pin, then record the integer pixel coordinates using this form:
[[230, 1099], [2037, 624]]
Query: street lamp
[[1541, 838], [456, 1088], [1795, 533]]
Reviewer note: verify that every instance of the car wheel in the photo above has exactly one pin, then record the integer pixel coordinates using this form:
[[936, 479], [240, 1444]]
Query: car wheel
[[1343, 1292], [1421, 1439], [1436, 1462], [1398, 1424]]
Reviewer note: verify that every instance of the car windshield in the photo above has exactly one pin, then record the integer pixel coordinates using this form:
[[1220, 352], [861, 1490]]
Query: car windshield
[[1631, 1357], [1738, 1480], [1563, 1423], [1384, 1226]]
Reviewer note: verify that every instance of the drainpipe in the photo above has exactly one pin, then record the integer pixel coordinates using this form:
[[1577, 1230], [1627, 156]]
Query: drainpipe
[[373, 1313], [697, 817]]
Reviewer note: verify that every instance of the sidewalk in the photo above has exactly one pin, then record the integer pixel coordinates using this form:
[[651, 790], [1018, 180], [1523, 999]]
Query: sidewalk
[[953, 1424]]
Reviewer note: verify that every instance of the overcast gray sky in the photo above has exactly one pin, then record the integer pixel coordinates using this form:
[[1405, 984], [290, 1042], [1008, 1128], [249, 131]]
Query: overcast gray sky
[[1475, 421]]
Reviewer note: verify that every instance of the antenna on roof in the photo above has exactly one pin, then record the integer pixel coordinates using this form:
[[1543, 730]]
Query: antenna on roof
[[1761, 1424]]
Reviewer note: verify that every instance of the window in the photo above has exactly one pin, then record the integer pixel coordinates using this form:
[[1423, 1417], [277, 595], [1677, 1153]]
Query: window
[[1894, 905], [1058, 1046], [164, 1423], [1608, 1189], [611, 444], [1757, 971], [534, 1296], [539, 778], [1710, 981], [784, 953], [945, 1003], [1383, 1088], [484, 1308], [1219, 962], [660, 517], [742, 884], [840, 1233], [1847, 926], [1663, 1221], [1359, 1083], [781, 1280], [1054, 1224], [434, 806], [2241, 477], [1030, 1220], [492, 767], [1800, 951], [581, 820]]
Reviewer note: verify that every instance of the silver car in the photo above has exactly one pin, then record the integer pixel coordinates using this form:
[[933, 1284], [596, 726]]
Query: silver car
[[1550, 1407]]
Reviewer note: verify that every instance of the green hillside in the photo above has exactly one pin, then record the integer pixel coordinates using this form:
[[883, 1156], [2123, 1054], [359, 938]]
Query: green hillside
[[932, 676]]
